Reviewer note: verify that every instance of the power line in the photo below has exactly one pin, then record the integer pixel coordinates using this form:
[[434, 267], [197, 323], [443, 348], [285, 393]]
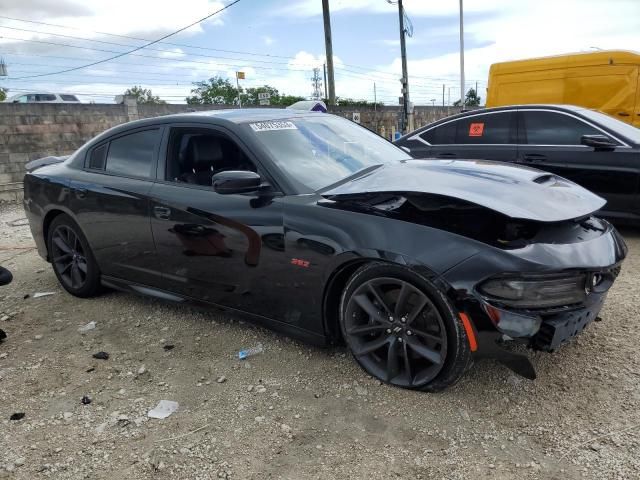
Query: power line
[[140, 47]]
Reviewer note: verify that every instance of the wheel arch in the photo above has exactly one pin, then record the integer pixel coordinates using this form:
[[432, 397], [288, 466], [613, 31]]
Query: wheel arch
[[336, 283]]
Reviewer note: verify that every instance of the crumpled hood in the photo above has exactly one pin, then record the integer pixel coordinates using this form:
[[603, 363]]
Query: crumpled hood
[[513, 190]]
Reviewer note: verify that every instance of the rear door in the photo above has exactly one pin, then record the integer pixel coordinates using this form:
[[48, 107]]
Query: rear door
[[110, 199], [551, 141], [486, 136]]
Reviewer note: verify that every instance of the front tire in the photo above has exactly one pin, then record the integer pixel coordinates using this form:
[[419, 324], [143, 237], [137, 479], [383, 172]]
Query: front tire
[[402, 330], [71, 258]]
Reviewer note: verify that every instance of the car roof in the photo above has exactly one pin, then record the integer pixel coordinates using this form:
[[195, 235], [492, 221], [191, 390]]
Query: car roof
[[242, 115], [477, 111]]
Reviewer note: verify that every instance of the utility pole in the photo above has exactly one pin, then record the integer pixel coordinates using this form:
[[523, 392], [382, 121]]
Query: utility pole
[[329, 50], [324, 69], [406, 123], [461, 57], [375, 105], [443, 94]]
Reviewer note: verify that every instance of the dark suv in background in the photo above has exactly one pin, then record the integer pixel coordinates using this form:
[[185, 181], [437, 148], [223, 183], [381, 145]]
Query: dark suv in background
[[593, 149]]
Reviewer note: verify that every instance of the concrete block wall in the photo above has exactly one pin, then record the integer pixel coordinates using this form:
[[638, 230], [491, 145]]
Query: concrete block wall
[[31, 131]]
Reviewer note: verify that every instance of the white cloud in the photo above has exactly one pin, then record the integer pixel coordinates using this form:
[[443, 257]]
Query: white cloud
[[268, 40]]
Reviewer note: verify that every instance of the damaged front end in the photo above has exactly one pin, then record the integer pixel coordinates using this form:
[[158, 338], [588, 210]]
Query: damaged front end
[[532, 282]]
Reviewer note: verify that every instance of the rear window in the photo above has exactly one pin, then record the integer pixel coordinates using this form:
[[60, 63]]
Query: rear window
[[69, 98], [488, 129], [442, 135], [132, 155], [98, 157]]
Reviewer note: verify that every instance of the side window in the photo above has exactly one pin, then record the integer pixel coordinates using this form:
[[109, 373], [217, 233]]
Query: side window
[[194, 155], [444, 134], [133, 154], [550, 128], [98, 157], [69, 98], [22, 99], [45, 97], [488, 129]]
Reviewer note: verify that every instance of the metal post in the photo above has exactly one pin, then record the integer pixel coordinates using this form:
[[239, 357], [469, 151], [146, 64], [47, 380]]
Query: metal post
[[329, 50], [461, 57], [324, 69], [443, 94], [238, 86], [375, 106], [405, 75]]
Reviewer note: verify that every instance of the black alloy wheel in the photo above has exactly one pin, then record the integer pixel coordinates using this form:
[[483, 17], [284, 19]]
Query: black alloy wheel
[[398, 331], [71, 258], [68, 258]]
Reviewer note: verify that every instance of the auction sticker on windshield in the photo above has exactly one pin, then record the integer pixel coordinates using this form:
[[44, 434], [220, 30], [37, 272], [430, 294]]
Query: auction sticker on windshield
[[272, 125]]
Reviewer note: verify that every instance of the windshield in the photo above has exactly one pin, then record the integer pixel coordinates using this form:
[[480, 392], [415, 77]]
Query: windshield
[[630, 132], [320, 150]]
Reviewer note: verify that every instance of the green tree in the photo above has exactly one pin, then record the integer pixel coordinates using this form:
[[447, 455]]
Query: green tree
[[350, 102], [286, 100], [215, 91], [3, 94], [250, 95], [143, 95], [471, 99]]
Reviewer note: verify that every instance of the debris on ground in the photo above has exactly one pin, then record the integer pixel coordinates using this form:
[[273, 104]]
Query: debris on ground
[[3, 335], [43, 294], [86, 400], [17, 416], [221, 379], [169, 347], [101, 355], [242, 354], [87, 328], [163, 409]]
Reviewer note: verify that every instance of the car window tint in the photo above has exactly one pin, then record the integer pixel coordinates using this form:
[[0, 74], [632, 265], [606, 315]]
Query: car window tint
[[550, 128], [441, 135], [486, 129], [98, 157], [133, 154], [45, 97], [68, 98]]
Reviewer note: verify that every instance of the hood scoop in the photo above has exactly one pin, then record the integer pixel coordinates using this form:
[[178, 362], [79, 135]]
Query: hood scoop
[[516, 191]]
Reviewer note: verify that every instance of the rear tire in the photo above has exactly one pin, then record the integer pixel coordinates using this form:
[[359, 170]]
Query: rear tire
[[402, 330], [71, 258]]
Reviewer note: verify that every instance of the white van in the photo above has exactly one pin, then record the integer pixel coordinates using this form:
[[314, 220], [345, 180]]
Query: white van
[[43, 97]]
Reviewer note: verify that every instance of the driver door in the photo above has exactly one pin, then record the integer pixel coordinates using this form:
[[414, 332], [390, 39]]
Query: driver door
[[213, 247]]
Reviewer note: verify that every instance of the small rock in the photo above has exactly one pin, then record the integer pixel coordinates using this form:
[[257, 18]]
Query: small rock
[[250, 388], [360, 390], [101, 355], [86, 400], [259, 419], [38, 337], [19, 462], [142, 370], [221, 379], [261, 389], [17, 416], [185, 451], [168, 347], [122, 391], [596, 447], [4, 318]]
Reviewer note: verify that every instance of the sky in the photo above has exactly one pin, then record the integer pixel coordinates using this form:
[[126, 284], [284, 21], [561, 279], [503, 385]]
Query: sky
[[280, 42]]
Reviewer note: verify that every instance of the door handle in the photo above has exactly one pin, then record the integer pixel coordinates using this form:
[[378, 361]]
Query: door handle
[[534, 157], [446, 155], [80, 192], [162, 213]]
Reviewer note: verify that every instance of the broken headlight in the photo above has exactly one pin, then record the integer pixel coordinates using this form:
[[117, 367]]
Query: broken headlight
[[536, 291]]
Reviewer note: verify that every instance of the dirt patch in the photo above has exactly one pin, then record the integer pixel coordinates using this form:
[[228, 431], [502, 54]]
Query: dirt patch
[[293, 411]]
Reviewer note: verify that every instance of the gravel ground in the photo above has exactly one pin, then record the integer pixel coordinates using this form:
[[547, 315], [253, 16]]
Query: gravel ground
[[293, 411]]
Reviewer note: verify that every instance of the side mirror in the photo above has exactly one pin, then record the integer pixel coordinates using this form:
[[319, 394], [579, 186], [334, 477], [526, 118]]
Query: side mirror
[[236, 181], [598, 142], [5, 276]]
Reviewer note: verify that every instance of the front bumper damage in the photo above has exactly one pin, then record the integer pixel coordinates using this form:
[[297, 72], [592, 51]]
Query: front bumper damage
[[498, 327]]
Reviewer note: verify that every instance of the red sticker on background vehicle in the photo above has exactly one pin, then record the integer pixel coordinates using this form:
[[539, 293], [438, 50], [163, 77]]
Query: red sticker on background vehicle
[[476, 129]]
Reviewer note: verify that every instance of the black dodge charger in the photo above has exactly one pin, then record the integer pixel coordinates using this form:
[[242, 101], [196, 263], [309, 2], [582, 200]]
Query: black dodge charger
[[317, 227]]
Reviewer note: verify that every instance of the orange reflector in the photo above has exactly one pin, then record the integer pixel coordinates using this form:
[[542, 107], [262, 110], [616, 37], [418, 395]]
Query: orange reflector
[[473, 343]]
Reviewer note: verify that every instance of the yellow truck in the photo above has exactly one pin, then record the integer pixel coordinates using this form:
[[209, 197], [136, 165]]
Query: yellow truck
[[605, 80]]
